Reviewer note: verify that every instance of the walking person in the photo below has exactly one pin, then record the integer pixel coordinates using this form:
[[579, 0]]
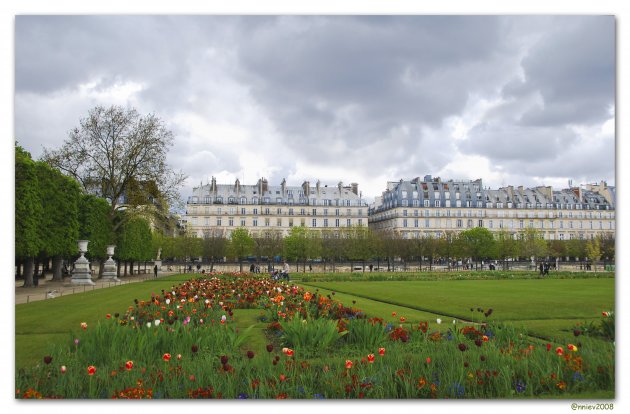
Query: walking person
[[155, 272]]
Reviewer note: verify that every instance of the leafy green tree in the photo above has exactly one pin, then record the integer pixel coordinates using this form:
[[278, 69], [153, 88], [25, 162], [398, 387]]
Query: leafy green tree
[[593, 251], [480, 243], [531, 243], [134, 242], [506, 246], [301, 244], [361, 244], [575, 248], [28, 213], [268, 244], [607, 244], [240, 245], [60, 219], [214, 246]]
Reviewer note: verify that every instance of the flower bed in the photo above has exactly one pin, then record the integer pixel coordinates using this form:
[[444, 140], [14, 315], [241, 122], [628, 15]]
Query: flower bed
[[184, 343]]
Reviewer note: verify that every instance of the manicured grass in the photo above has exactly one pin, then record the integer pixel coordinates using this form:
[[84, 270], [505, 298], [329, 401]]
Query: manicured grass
[[511, 300], [545, 307]]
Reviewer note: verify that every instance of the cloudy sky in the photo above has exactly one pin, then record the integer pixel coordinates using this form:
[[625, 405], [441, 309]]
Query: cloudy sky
[[521, 100]]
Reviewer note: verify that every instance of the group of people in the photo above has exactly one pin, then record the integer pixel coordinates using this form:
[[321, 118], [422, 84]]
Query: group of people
[[543, 268], [254, 268], [283, 274]]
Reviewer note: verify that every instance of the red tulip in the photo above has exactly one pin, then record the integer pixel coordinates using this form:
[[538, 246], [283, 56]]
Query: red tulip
[[348, 364], [129, 365], [166, 357], [428, 360], [289, 352], [381, 351], [402, 319], [559, 350], [370, 358], [91, 370]]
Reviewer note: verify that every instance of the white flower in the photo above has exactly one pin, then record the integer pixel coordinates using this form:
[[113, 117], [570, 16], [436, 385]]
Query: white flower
[[454, 321], [200, 320], [157, 322], [438, 320], [168, 301], [132, 318], [223, 318], [207, 301], [148, 324]]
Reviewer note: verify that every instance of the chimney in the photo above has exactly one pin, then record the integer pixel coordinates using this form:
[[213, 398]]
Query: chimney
[[317, 186], [213, 186], [355, 188], [237, 187], [283, 185], [306, 186]]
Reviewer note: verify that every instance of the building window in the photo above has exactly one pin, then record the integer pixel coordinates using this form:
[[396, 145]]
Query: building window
[[459, 223], [290, 222], [426, 223], [490, 224], [415, 223], [267, 222], [255, 222], [360, 222], [231, 221], [314, 222], [218, 221], [426, 203], [243, 211], [404, 213], [325, 222], [480, 223], [279, 222], [437, 203], [336, 222], [520, 224], [290, 211], [255, 211], [348, 222], [404, 222]]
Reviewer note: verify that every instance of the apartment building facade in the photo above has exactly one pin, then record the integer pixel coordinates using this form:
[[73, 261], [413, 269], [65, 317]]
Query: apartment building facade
[[431, 206], [218, 209]]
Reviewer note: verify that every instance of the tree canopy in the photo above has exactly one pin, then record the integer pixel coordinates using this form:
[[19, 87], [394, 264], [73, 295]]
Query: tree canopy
[[119, 155]]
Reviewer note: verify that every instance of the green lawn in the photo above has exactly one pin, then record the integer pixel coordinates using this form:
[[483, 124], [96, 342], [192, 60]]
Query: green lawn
[[545, 307]]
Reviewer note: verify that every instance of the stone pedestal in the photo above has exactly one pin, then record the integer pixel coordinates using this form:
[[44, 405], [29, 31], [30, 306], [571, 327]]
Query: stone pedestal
[[110, 270], [81, 274]]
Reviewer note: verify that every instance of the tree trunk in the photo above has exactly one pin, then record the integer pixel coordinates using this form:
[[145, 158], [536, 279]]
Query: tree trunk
[[28, 272], [118, 270], [57, 263], [126, 268], [18, 267], [101, 268]]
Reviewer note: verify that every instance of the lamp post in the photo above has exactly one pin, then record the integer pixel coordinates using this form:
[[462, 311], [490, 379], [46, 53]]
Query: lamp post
[[81, 274], [110, 270]]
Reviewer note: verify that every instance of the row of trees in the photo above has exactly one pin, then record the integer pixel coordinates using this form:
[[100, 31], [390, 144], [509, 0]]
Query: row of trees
[[103, 184], [52, 213], [360, 244]]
